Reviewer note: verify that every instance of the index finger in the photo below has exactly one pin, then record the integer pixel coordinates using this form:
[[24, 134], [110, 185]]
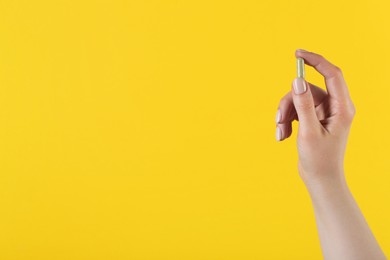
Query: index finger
[[334, 80]]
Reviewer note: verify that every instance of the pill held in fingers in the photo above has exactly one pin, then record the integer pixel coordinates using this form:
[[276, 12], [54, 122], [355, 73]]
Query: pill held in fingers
[[300, 68]]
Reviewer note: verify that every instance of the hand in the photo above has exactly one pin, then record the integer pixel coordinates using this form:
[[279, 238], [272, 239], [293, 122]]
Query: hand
[[324, 118]]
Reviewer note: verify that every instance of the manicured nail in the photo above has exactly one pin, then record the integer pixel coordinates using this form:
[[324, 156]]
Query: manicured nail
[[299, 86], [278, 116], [302, 50], [278, 134]]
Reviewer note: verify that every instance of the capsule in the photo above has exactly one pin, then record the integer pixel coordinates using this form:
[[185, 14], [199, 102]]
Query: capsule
[[300, 68]]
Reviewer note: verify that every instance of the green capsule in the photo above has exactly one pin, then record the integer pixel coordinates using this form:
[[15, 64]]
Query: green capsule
[[300, 68]]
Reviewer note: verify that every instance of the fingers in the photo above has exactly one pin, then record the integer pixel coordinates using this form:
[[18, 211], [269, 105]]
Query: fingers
[[335, 83], [301, 102], [286, 110], [304, 105], [283, 131], [318, 93], [298, 104]]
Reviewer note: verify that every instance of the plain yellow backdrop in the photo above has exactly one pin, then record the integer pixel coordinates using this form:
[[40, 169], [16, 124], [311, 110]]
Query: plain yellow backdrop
[[145, 129]]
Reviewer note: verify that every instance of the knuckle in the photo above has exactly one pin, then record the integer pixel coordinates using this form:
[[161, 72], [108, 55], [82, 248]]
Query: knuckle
[[285, 100], [352, 109], [348, 112], [336, 71]]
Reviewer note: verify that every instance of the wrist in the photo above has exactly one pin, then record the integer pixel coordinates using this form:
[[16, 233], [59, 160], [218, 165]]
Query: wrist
[[326, 184]]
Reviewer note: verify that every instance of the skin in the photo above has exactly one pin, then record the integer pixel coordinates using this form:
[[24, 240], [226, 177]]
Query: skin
[[325, 119]]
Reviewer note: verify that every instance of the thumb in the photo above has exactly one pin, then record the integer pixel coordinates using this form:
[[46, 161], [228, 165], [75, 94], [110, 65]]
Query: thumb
[[304, 104]]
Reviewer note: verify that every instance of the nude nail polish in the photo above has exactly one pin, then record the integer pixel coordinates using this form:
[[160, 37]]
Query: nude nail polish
[[278, 134], [299, 86], [278, 116]]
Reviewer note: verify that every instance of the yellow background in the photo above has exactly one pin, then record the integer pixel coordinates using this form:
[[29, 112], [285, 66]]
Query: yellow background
[[145, 129]]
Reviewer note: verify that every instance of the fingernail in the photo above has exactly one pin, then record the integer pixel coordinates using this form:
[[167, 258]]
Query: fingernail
[[302, 50], [278, 134], [299, 86], [278, 116]]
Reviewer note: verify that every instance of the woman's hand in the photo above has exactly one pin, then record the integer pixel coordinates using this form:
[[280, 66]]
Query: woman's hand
[[324, 118]]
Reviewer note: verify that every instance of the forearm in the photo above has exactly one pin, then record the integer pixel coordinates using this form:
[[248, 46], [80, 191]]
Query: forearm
[[344, 233]]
